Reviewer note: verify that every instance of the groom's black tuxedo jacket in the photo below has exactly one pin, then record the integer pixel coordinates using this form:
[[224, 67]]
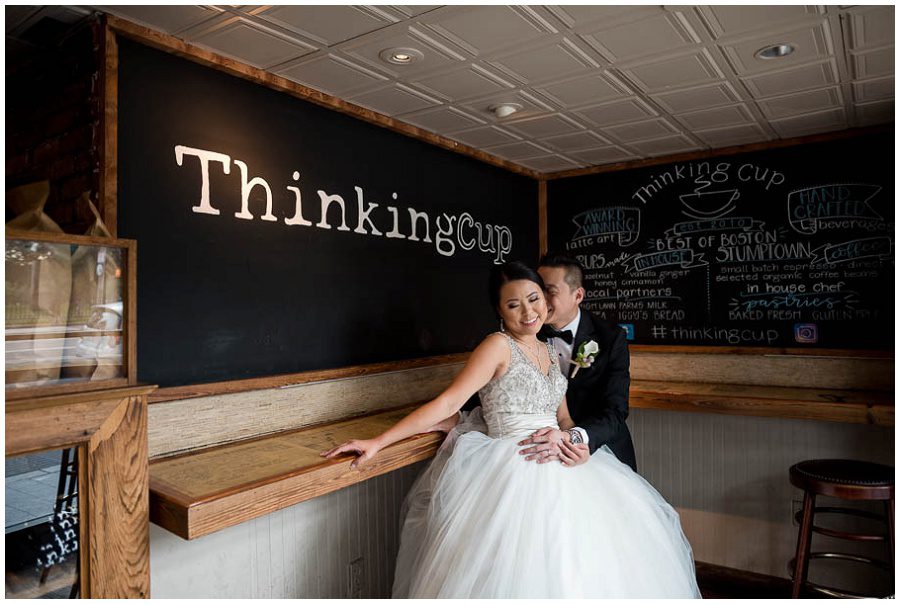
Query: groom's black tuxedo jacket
[[597, 396]]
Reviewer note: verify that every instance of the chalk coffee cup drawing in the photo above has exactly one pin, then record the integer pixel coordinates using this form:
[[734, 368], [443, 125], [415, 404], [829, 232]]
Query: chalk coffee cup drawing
[[709, 204]]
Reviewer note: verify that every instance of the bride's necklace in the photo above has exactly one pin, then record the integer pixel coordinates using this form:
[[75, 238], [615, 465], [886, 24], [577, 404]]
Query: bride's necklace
[[535, 352]]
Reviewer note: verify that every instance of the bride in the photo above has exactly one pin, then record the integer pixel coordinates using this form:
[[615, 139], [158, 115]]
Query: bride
[[482, 522]]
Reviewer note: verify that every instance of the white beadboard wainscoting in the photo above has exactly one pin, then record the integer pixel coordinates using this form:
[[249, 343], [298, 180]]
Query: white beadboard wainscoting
[[304, 551]]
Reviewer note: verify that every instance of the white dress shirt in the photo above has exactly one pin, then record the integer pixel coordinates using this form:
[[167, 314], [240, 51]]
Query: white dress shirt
[[564, 350]]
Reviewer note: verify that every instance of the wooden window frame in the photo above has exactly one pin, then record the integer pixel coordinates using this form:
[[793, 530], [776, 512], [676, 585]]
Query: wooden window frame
[[109, 428]]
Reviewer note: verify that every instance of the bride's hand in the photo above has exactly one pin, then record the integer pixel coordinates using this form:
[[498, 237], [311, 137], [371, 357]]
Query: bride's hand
[[365, 450]]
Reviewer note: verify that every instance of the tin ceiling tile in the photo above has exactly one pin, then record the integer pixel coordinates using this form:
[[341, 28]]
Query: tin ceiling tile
[[169, 19], [603, 155], [549, 163], [468, 82], [326, 24], [732, 135], [441, 120], [668, 73], [545, 62], [736, 18], [237, 37], [484, 137], [549, 125], [699, 97], [804, 77], [873, 90], [331, 74], [484, 29], [435, 56], [575, 141], [394, 99], [661, 33], [637, 131], [873, 63], [665, 146], [582, 90], [811, 123], [718, 117], [810, 43], [801, 102], [870, 27], [878, 112], [617, 112], [519, 150]]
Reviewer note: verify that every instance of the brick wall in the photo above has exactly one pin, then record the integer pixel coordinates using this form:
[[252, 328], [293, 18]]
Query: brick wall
[[52, 122]]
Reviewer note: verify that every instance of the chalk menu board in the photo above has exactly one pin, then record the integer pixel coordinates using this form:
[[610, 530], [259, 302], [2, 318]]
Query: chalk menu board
[[276, 236], [787, 247]]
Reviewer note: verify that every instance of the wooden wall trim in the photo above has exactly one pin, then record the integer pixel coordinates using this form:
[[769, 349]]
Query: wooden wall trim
[[304, 377], [846, 406], [710, 153], [542, 216], [130, 334], [761, 350], [180, 48], [109, 105], [795, 371], [50, 237]]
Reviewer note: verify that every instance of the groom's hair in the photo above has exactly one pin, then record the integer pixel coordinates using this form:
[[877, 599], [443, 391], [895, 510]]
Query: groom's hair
[[574, 272]]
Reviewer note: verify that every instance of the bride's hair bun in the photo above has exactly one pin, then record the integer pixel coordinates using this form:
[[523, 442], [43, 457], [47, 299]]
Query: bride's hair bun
[[513, 270]]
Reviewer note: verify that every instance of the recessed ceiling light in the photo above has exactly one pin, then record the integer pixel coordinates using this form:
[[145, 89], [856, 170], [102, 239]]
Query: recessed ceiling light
[[504, 109], [400, 56], [775, 51]]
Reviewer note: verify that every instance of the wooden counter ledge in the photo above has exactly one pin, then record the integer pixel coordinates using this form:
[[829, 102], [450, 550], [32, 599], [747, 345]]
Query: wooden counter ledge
[[202, 492], [848, 406]]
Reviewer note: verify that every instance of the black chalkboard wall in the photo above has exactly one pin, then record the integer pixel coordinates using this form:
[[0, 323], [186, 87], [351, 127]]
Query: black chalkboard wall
[[227, 291], [789, 247]]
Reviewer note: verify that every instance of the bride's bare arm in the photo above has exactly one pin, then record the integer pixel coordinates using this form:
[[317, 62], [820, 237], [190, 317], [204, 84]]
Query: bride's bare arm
[[483, 363]]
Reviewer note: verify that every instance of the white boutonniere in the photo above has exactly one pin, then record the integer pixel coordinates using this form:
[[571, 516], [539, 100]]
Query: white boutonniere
[[587, 352]]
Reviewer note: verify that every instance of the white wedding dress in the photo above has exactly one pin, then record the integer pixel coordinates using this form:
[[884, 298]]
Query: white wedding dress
[[482, 522]]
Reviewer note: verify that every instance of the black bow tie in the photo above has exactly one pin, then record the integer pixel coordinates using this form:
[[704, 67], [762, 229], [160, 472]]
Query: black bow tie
[[565, 335]]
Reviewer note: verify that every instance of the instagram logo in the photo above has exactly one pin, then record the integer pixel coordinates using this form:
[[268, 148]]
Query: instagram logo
[[806, 333]]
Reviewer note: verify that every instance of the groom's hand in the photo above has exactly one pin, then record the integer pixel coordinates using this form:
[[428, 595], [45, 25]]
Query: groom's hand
[[544, 445], [573, 454]]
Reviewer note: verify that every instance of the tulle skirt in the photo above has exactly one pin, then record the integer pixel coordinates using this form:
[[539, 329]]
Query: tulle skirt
[[481, 522]]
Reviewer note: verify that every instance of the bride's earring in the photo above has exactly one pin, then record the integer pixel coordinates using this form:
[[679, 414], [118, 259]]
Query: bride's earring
[[502, 328]]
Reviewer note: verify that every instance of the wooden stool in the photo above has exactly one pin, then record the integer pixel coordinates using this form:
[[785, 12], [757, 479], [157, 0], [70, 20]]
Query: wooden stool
[[844, 479]]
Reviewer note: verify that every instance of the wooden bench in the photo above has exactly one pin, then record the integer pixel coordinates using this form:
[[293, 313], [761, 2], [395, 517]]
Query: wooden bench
[[200, 492]]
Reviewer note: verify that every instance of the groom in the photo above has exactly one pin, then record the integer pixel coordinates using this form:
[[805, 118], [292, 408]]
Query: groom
[[597, 396]]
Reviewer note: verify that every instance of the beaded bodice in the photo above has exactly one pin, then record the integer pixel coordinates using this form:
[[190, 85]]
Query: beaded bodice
[[522, 399]]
